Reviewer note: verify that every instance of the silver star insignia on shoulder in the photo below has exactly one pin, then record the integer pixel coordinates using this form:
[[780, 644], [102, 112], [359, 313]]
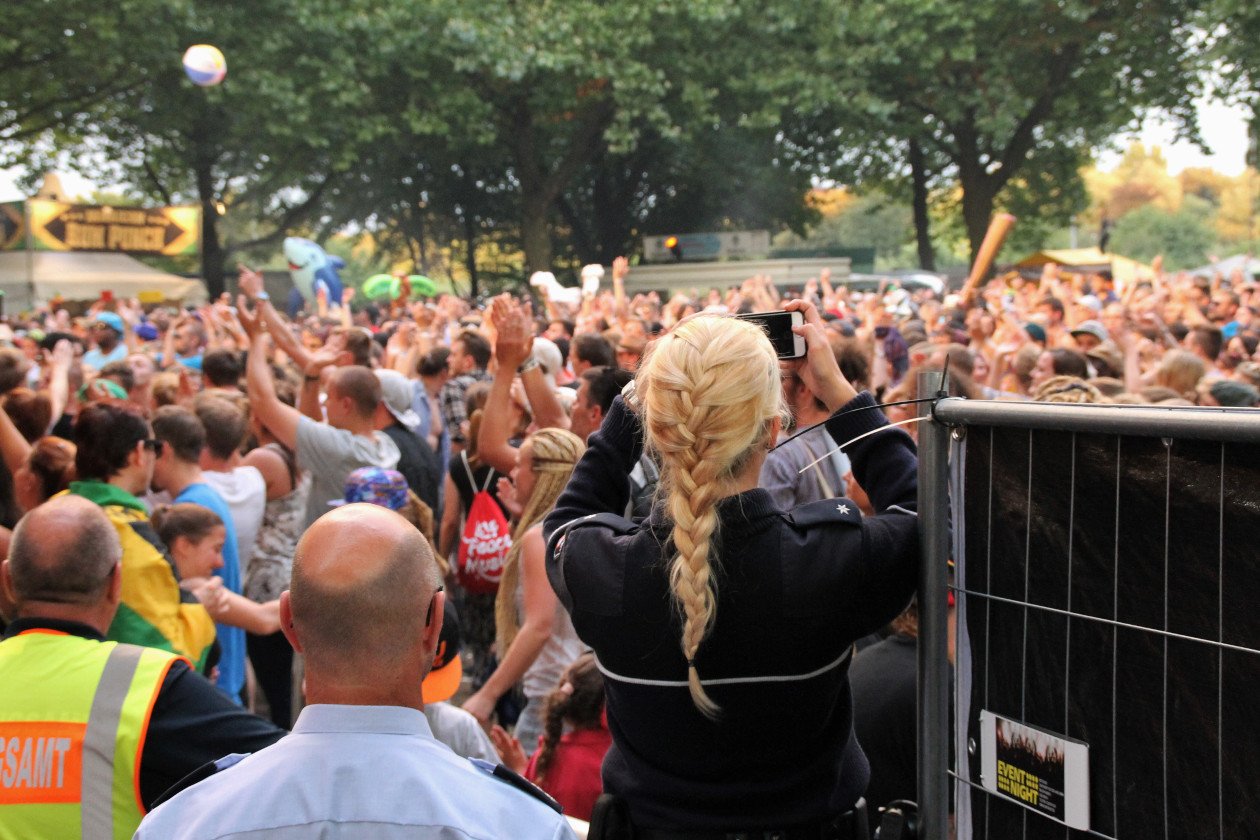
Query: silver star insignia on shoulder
[[842, 508]]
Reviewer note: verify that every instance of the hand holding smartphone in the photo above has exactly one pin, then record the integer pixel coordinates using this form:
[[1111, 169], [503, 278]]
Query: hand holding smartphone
[[778, 326]]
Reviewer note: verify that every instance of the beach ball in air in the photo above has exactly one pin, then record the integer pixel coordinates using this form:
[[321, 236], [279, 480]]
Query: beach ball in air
[[205, 65]]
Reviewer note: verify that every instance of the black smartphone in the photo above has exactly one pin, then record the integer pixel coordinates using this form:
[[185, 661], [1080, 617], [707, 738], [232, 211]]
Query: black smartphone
[[778, 325]]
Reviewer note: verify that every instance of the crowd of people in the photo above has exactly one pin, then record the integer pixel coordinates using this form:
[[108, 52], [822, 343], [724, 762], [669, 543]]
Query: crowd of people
[[372, 541]]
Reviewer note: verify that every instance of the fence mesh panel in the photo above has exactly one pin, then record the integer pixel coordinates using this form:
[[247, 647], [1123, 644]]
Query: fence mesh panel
[[1109, 591]]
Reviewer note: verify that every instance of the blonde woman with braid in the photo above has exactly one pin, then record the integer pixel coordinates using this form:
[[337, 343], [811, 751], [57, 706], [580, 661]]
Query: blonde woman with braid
[[536, 640], [721, 623]]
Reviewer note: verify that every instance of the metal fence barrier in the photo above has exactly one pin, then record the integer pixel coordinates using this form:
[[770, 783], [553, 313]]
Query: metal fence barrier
[[1108, 593]]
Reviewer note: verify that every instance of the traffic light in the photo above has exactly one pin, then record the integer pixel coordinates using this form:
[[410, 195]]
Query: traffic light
[[674, 247]]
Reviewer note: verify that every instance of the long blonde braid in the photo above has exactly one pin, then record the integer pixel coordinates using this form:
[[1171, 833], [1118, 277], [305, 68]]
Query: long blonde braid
[[709, 391], [555, 453]]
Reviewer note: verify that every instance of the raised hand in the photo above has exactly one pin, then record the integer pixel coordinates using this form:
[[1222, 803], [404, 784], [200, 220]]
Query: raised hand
[[506, 492], [249, 282], [509, 749], [62, 354], [818, 369], [515, 339], [249, 321]]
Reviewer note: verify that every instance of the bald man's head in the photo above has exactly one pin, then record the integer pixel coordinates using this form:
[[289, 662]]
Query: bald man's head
[[63, 552], [363, 578]]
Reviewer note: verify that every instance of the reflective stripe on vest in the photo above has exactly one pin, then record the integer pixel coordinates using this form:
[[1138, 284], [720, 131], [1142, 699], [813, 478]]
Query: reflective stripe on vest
[[101, 739], [71, 733]]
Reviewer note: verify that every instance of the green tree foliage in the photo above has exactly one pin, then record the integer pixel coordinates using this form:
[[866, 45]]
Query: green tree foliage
[[1184, 237], [566, 131], [999, 89], [871, 220], [60, 60], [1237, 45], [270, 143]]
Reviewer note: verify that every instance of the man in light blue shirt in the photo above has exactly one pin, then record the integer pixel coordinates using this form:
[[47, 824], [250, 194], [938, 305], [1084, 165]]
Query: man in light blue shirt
[[365, 609], [108, 330]]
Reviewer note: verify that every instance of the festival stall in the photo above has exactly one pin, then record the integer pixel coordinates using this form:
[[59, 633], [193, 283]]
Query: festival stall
[[31, 277], [57, 249], [1090, 260]]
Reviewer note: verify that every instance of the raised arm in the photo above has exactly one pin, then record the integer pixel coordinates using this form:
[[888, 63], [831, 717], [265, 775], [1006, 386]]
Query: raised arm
[[543, 403], [620, 270], [281, 419], [250, 283], [13, 447], [333, 353], [512, 347], [59, 378]]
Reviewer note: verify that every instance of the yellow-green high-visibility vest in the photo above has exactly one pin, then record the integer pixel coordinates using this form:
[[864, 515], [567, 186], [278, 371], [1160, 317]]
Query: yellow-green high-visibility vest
[[73, 715]]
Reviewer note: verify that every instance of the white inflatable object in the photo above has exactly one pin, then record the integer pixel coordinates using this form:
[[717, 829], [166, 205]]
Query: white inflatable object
[[545, 280], [591, 275]]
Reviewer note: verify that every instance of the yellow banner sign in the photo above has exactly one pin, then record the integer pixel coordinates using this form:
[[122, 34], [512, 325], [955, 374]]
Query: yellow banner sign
[[57, 226]]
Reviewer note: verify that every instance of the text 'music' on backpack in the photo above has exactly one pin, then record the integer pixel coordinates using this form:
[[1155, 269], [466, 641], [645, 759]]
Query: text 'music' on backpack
[[485, 542]]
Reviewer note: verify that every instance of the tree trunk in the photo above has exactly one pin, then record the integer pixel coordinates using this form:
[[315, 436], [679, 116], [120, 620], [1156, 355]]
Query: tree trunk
[[919, 201], [578, 234], [424, 247], [535, 233], [211, 248], [470, 254], [978, 193]]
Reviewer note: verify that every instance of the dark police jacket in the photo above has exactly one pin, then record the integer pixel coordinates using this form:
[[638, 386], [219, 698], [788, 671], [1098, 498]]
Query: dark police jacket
[[794, 590]]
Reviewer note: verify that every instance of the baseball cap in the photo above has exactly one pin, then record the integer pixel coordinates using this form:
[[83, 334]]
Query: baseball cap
[[1035, 331], [375, 486], [444, 678], [1234, 394], [111, 320], [146, 332], [1090, 302], [1093, 328], [396, 394]]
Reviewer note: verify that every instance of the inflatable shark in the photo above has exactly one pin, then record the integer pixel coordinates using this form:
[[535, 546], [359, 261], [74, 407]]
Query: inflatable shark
[[311, 270]]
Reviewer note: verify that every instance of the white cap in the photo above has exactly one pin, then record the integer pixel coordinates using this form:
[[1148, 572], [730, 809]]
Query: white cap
[[396, 391]]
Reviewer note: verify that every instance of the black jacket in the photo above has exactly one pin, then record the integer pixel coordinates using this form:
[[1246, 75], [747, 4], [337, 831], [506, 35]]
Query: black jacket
[[794, 592]]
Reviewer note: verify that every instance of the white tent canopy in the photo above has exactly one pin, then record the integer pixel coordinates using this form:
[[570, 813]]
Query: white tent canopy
[[1249, 265], [32, 277]]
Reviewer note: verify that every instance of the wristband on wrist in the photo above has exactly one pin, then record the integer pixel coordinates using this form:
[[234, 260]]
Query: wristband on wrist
[[262, 296], [528, 364], [307, 378]]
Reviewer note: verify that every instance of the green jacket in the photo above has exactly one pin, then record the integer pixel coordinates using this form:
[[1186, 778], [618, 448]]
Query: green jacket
[[154, 611]]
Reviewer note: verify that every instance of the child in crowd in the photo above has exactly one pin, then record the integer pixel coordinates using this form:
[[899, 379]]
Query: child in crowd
[[572, 747], [195, 535]]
